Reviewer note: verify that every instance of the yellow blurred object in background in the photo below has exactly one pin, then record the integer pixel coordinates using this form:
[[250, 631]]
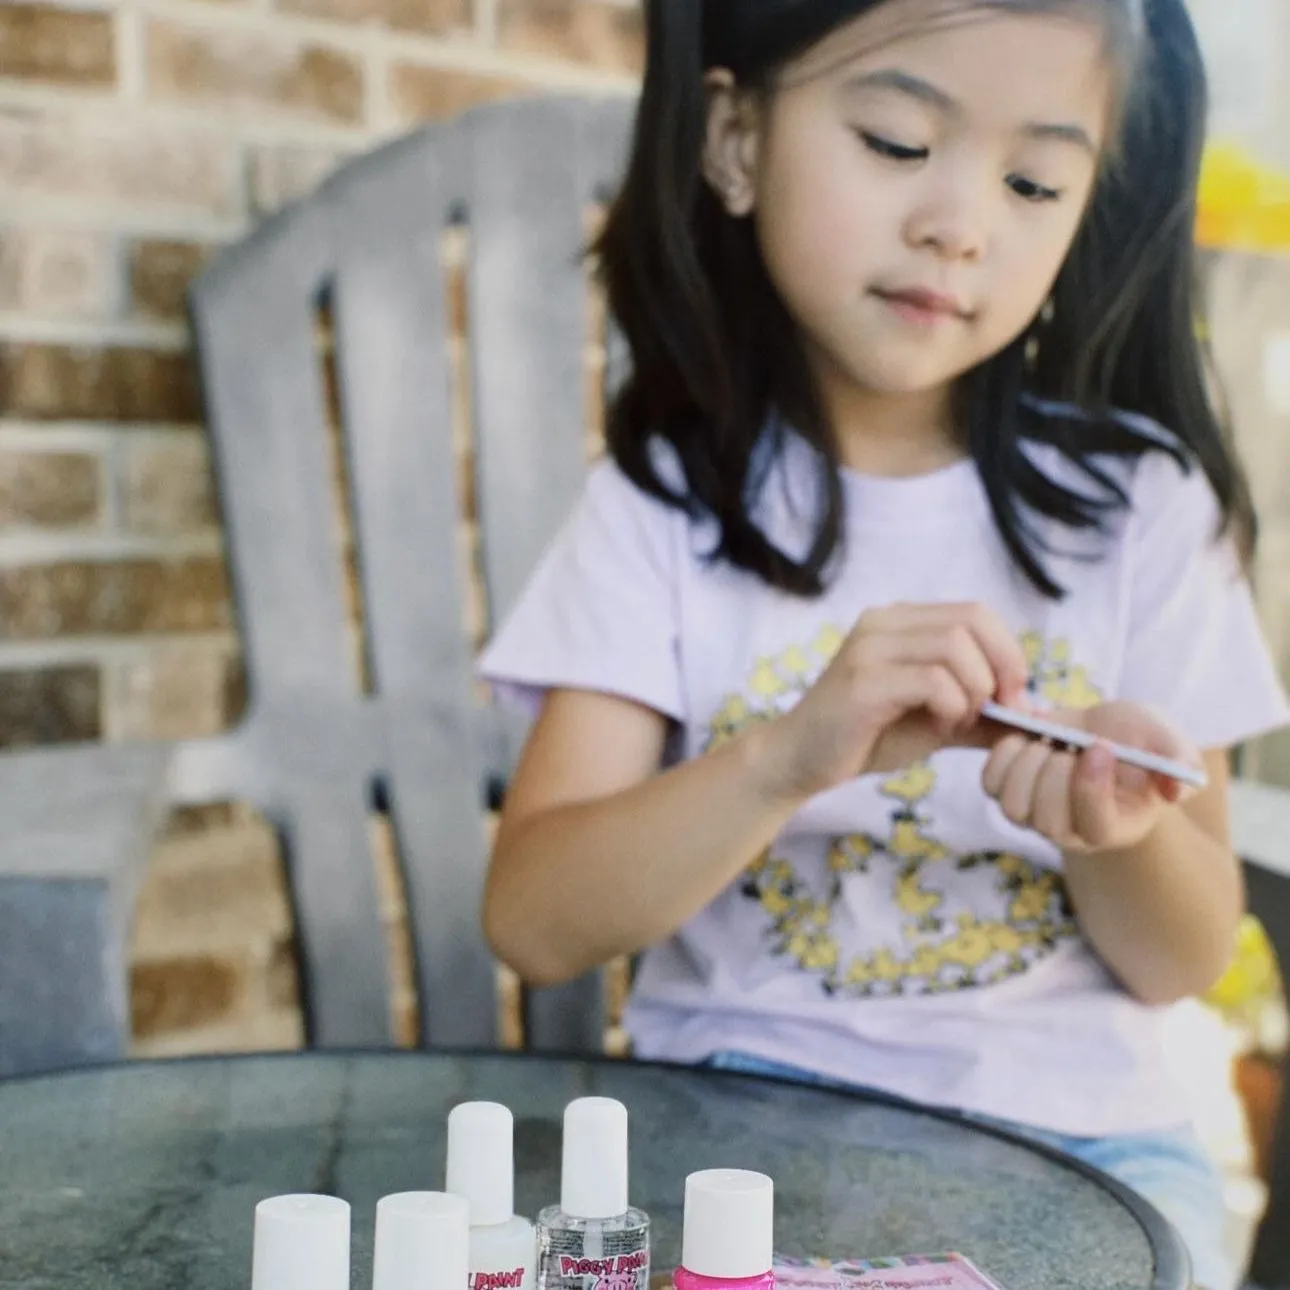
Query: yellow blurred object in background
[[1244, 205], [1252, 979]]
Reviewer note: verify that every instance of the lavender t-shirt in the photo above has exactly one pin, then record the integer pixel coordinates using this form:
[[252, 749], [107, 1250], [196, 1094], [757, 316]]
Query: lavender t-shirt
[[901, 932]]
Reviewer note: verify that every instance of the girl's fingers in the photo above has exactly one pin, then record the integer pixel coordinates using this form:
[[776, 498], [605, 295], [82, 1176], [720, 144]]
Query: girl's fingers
[[992, 636], [1052, 809], [943, 695], [1133, 781], [1093, 804], [928, 690], [907, 687], [997, 765], [955, 649], [1018, 796]]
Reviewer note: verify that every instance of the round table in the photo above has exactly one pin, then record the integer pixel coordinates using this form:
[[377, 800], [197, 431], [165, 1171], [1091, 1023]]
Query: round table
[[145, 1177]]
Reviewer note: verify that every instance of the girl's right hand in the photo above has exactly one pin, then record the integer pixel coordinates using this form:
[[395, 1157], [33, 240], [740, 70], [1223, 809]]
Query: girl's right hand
[[908, 680]]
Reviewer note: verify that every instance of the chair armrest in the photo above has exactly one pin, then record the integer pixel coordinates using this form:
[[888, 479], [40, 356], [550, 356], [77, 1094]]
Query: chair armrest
[[76, 827]]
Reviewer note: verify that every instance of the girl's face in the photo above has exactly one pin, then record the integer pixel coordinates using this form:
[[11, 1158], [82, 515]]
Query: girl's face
[[916, 181]]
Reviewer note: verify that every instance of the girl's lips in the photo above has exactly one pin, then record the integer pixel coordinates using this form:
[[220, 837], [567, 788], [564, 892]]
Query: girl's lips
[[922, 306]]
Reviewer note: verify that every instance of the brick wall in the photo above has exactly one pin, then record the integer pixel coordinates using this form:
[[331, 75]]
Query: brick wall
[[136, 136]]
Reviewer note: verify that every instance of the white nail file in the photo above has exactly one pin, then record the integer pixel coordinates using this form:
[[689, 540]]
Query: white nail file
[[1073, 738]]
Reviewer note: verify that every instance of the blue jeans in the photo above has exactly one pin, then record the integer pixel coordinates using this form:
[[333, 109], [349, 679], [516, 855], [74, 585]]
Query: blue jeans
[[1169, 1168]]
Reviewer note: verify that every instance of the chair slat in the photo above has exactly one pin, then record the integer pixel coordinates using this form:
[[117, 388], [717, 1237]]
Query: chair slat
[[392, 354], [254, 317]]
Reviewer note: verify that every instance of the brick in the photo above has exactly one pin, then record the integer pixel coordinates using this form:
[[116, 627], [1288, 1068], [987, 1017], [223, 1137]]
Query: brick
[[282, 976], [96, 157], [510, 1009], [43, 43], [183, 992], [166, 484], [254, 70], [608, 36], [187, 820], [160, 273], [114, 383], [282, 173], [80, 598], [431, 17], [49, 489], [236, 689], [248, 1031], [172, 692], [436, 93], [212, 948], [49, 706], [454, 256], [55, 273], [214, 891], [389, 878]]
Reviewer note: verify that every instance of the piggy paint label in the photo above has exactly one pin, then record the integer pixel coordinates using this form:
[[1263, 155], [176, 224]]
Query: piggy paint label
[[511, 1280], [615, 1272]]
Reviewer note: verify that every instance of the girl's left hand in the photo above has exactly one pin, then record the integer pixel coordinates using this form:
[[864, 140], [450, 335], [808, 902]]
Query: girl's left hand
[[1087, 801]]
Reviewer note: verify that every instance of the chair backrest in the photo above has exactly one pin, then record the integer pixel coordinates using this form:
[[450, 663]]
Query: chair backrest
[[323, 740]]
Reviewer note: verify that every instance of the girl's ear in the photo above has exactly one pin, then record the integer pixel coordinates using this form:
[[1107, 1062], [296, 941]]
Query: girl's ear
[[732, 142]]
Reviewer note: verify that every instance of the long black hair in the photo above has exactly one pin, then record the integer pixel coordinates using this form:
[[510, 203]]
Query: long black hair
[[715, 357]]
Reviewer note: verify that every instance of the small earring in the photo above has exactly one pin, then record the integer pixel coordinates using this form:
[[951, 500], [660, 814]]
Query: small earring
[[1048, 312]]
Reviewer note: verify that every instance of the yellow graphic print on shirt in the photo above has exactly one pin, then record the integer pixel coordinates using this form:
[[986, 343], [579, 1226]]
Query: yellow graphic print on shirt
[[1024, 911]]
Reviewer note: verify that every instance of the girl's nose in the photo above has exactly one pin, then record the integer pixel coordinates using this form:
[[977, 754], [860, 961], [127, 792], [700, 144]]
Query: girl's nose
[[952, 218]]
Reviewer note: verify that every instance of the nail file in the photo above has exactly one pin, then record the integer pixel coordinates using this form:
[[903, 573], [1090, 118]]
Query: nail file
[[1073, 738]]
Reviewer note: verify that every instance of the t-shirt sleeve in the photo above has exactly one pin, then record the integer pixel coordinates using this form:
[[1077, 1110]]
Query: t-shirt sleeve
[[1194, 651], [600, 611]]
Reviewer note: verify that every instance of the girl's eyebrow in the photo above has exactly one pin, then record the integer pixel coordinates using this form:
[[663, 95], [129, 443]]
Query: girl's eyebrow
[[915, 87], [892, 78], [1075, 134]]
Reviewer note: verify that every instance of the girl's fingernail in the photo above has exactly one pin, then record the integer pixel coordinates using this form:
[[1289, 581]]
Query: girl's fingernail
[[1100, 761], [1135, 780]]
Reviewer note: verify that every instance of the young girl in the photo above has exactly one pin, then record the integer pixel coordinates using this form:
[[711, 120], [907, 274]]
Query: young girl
[[916, 419]]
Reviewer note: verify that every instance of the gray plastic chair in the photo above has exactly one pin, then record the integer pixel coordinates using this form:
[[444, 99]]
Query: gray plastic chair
[[315, 752]]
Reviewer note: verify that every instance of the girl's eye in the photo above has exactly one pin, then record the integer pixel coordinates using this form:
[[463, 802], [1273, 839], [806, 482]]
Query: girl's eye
[[892, 151], [1028, 190]]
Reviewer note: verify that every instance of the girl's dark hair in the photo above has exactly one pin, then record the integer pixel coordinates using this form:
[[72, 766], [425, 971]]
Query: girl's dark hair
[[715, 358]]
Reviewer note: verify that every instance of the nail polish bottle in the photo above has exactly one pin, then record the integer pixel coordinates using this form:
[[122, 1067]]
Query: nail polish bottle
[[728, 1238], [422, 1242], [481, 1167], [301, 1242], [593, 1239]]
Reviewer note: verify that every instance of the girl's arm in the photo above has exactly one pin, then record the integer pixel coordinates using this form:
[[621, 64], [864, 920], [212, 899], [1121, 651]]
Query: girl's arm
[[597, 855], [1163, 913]]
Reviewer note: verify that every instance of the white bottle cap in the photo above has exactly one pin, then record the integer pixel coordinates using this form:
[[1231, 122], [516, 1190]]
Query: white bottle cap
[[593, 1172], [422, 1242], [301, 1243], [729, 1224], [481, 1160]]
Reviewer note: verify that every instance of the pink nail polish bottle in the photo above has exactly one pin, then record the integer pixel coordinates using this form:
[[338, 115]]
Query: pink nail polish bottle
[[728, 1241]]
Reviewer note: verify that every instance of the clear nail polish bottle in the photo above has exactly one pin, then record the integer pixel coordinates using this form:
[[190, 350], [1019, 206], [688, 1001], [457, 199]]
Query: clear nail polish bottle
[[593, 1239]]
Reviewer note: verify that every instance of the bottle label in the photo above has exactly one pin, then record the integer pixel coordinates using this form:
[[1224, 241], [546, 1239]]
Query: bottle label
[[512, 1280], [620, 1272]]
